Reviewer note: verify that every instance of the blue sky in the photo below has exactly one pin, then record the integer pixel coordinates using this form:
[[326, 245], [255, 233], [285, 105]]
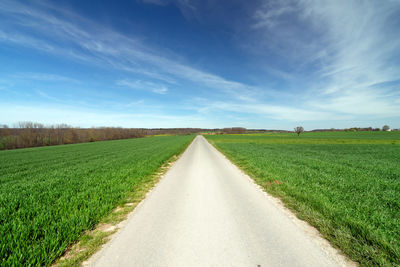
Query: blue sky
[[201, 63]]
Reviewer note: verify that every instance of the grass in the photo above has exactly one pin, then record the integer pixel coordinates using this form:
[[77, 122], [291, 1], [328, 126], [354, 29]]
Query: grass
[[345, 184], [49, 196], [392, 138]]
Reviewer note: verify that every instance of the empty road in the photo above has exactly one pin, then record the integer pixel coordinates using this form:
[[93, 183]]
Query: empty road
[[205, 212]]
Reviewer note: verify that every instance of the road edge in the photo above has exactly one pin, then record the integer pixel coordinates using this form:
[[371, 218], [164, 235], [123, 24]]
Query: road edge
[[80, 253], [312, 232]]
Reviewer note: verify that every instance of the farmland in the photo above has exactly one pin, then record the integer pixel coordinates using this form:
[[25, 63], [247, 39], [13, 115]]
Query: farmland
[[50, 195], [346, 184]]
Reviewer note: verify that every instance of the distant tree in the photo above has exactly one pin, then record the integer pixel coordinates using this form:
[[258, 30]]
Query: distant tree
[[32, 134], [386, 128], [238, 130], [299, 130]]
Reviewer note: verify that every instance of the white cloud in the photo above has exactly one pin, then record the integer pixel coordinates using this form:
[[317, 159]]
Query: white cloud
[[143, 85], [50, 114], [266, 110], [161, 90], [347, 46], [44, 77], [350, 51], [365, 102], [134, 103], [49, 97], [271, 12], [102, 46]]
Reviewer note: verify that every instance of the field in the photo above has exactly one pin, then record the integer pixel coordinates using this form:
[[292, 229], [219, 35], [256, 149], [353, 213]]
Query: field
[[50, 195], [346, 184]]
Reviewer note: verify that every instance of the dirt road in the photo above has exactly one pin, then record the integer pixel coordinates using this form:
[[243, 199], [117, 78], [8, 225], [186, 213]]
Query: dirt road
[[205, 212]]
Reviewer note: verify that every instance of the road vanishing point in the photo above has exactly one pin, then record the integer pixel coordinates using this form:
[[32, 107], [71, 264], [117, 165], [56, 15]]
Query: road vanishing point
[[206, 212]]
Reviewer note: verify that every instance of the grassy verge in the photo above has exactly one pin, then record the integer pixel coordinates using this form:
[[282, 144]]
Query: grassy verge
[[349, 191], [51, 196], [91, 241]]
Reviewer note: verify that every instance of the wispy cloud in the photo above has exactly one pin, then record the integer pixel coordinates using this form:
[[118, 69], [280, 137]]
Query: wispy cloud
[[350, 49], [143, 85], [187, 7], [51, 114], [47, 96], [134, 103], [271, 13], [38, 28], [43, 77], [339, 56], [266, 110]]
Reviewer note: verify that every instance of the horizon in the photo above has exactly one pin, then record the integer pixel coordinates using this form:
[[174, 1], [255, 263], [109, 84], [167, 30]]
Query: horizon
[[37, 125], [188, 64]]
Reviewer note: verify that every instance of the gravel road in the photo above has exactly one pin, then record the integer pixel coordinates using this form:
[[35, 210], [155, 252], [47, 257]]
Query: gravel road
[[206, 212]]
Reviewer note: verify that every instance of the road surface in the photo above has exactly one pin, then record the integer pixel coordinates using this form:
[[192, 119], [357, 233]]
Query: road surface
[[206, 212]]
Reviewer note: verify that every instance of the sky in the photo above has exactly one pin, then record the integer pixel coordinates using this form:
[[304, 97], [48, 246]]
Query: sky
[[201, 63]]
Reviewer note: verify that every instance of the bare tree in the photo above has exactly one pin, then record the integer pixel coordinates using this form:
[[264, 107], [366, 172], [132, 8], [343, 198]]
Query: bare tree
[[299, 130]]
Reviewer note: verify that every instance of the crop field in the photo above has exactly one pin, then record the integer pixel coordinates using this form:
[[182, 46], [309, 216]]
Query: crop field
[[346, 184], [50, 195]]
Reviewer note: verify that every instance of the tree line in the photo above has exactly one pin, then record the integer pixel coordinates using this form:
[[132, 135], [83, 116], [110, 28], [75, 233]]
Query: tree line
[[356, 129], [31, 134]]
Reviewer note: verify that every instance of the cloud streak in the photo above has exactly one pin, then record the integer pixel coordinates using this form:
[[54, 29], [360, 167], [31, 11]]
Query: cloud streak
[[352, 58], [330, 60], [101, 46], [143, 85], [51, 114], [46, 77]]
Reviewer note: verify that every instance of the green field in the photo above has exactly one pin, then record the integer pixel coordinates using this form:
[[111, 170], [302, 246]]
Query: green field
[[50, 195], [346, 184]]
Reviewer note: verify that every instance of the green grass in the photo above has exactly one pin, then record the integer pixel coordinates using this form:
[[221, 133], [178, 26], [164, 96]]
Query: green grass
[[50, 195], [345, 184], [316, 138]]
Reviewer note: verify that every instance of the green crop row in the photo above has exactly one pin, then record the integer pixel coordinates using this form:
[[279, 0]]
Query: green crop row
[[50, 195], [349, 192]]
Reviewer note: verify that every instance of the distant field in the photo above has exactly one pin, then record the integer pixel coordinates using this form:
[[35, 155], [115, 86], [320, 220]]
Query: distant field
[[316, 138], [50, 195], [346, 184]]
